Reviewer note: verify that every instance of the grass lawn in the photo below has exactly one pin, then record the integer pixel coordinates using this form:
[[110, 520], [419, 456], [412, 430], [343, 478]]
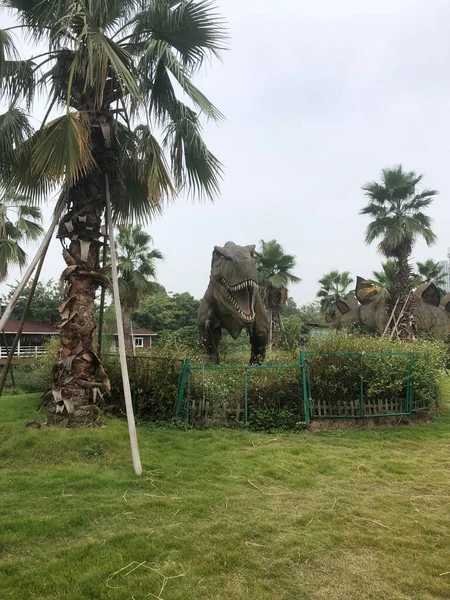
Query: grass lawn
[[217, 514]]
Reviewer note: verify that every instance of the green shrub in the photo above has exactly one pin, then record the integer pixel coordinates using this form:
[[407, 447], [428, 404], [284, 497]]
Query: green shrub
[[154, 384], [271, 419], [337, 377], [35, 374]]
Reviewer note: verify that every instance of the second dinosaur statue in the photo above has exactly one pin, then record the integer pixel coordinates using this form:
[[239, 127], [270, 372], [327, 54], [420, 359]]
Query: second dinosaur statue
[[431, 312]]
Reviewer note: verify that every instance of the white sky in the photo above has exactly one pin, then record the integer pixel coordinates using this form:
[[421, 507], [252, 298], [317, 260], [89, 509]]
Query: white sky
[[318, 95]]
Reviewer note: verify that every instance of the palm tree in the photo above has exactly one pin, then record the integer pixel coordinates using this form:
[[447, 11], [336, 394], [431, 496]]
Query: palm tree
[[19, 223], [384, 281], [398, 221], [275, 274], [108, 65], [334, 288], [136, 267], [431, 270]]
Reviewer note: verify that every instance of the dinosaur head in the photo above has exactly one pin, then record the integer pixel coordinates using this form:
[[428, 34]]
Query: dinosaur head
[[235, 279]]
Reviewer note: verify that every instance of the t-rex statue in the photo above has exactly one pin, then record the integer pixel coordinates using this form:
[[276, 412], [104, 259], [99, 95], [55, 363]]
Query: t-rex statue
[[233, 302], [431, 312]]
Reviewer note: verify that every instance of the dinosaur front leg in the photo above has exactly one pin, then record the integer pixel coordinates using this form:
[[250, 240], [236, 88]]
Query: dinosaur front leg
[[210, 337], [259, 333]]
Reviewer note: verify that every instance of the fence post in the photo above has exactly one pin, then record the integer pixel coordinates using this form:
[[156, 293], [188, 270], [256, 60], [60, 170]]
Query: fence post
[[181, 386], [304, 387], [409, 387], [361, 386], [245, 395], [188, 399]]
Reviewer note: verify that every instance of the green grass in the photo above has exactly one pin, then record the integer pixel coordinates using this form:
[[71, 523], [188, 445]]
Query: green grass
[[327, 515]]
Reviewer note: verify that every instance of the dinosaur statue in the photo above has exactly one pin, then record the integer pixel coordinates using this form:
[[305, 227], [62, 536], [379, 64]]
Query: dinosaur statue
[[431, 313], [233, 302]]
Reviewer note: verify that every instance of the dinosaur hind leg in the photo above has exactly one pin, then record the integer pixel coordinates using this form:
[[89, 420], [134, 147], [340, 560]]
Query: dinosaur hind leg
[[210, 337], [258, 341]]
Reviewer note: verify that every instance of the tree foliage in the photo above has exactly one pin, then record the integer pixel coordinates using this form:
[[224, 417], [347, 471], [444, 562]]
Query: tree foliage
[[44, 307], [160, 312], [20, 222], [431, 270], [334, 286]]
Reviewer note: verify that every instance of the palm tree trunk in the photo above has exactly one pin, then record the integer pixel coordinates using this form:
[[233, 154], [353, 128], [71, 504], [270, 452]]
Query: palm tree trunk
[[406, 325], [274, 302], [79, 381]]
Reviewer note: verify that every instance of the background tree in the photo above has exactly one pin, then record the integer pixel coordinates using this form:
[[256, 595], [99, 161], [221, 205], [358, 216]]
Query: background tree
[[431, 270], [161, 312], [136, 267], [106, 64], [19, 224], [44, 307], [398, 220], [275, 274], [334, 286]]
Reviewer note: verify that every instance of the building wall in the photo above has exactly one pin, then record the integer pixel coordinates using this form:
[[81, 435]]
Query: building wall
[[445, 264]]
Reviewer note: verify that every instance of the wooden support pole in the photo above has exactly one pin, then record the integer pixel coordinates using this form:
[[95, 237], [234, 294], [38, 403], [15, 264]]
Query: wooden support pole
[[47, 238], [121, 338], [23, 319]]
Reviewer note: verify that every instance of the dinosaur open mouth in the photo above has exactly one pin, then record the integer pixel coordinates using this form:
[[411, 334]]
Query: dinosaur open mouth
[[242, 297]]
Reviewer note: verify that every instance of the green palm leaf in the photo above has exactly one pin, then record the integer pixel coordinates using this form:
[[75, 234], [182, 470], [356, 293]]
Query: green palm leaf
[[62, 148]]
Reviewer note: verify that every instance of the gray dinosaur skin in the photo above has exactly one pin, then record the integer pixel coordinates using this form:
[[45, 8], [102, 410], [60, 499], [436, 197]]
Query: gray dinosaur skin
[[225, 307], [431, 314]]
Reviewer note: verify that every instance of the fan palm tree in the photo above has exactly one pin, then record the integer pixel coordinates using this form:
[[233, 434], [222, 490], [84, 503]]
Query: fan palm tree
[[431, 270], [384, 281], [136, 267], [19, 223], [398, 220], [275, 274], [334, 287], [113, 69]]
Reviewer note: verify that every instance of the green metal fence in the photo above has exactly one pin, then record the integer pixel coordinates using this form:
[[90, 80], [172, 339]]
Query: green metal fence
[[321, 385], [221, 393]]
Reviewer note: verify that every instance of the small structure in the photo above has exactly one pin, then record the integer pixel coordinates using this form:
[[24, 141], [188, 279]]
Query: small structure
[[35, 335], [142, 337], [32, 341]]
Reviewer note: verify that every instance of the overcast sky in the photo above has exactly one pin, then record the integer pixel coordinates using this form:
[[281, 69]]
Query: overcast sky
[[318, 96]]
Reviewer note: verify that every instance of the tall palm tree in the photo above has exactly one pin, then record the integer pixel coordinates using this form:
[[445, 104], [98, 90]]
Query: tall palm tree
[[136, 267], [113, 68], [19, 223], [334, 287], [431, 270], [398, 220], [275, 274]]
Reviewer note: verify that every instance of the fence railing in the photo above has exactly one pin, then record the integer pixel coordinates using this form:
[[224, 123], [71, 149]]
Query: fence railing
[[23, 351], [321, 385]]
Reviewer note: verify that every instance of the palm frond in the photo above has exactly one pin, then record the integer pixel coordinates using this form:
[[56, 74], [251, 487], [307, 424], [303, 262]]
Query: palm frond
[[14, 130], [62, 149], [192, 27]]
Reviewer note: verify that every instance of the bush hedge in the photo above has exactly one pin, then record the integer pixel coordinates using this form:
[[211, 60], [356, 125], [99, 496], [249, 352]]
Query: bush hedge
[[154, 377]]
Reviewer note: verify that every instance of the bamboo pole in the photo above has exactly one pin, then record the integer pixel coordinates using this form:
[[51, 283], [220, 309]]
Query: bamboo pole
[[22, 320], [47, 238], [121, 339]]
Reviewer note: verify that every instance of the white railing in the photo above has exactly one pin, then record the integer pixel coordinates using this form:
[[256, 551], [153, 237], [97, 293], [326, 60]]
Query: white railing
[[23, 351]]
